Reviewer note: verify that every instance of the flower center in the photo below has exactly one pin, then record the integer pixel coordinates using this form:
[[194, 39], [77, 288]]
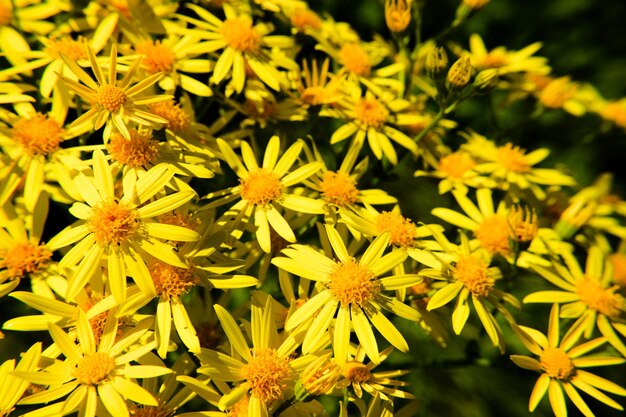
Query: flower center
[[113, 223], [303, 18], [267, 374], [68, 47], [355, 59], [371, 113], [616, 112], [512, 158], [178, 218], [38, 135], [24, 259], [240, 408], [472, 273], [351, 283], [493, 234], [94, 368], [139, 151], [170, 281], [402, 231], [602, 300], [110, 97], [6, 12], [150, 411], [619, 268], [261, 187], [316, 95], [456, 164], [239, 34], [356, 372], [177, 118], [494, 59], [556, 93], [158, 57], [339, 189], [557, 364], [524, 224]]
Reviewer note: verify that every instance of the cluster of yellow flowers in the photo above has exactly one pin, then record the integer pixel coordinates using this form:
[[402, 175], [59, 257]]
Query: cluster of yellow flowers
[[220, 153]]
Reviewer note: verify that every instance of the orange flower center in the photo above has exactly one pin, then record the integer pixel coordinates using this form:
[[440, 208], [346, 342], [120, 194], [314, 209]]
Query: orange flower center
[[493, 234], [402, 231], [456, 164], [303, 18], [615, 112], [177, 118], [240, 408], [356, 372], [239, 34], [158, 57], [619, 268], [113, 223], [261, 187], [557, 92], [110, 97], [371, 112], [355, 59], [472, 273], [351, 283], [68, 47], [94, 368], [512, 158], [150, 411], [267, 374], [170, 281], [6, 12], [339, 188], [24, 259], [557, 364], [603, 300], [139, 151], [38, 135]]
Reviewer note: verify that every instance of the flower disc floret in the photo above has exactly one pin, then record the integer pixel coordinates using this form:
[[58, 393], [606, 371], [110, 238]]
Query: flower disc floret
[[150, 411], [401, 230], [68, 47], [171, 281], [94, 368], [371, 112], [6, 13], [493, 233], [557, 364], [177, 118], [24, 259], [239, 34], [352, 283], [110, 97], [261, 187], [355, 59], [356, 372], [512, 158], [139, 151], [473, 274], [38, 135], [267, 373], [158, 57], [304, 18], [113, 223], [456, 164], [339, 188], [603, 300]]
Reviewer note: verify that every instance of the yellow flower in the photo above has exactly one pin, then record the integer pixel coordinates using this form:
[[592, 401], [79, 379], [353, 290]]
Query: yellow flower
[[506, 62], [94, 375], [456, 172], [562, 367], [264, 188], [12, 388], [112, 102], [243, 44], [351, 289], [314, 87], [588, 295], [120, 231]]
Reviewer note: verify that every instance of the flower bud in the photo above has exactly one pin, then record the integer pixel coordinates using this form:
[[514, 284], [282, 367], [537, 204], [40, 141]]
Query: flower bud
[[524, 224], [436, 61], [397, 14], [460, 72]]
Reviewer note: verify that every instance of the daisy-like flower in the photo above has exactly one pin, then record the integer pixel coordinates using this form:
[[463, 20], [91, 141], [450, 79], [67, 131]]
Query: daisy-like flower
[[12, 388], [456, 172], [563, 93], [121, 231], [243, 44], [113, 102], [506, 62], [264, 188], [589, 295], [361, 377], [352, 290], [93, 375], [373, 119], [465, 275], [261, 375], [511, 165], [562, 367], [315, 88]]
